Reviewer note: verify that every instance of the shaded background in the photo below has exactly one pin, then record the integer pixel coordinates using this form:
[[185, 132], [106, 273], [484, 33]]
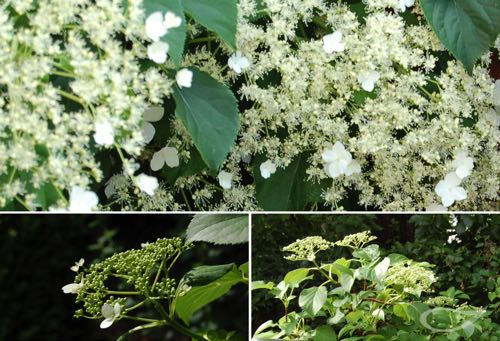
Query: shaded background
[[36, 252], [471, 265]]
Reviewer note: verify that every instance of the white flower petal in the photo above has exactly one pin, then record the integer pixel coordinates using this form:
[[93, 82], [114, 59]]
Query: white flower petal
[[155, 28], [107, 311], [353, 168], [184, 78], [171, 20], [154, 114], [237, 62], [225, 179], [157, 161], [106, 323], [147, 184], [71, 288], [267, 169], [104, 133], [148, 132], [157, 52], [170, 156], [333, 42], [81, 200]]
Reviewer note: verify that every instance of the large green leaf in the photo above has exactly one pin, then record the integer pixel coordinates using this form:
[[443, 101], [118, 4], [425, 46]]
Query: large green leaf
[[287, 189], [175, 37], [199, 296], [209, 111], [312, 299], [296, 276], [202, 275], [466, 27], [218, 228], [220, 16], [325, 333]]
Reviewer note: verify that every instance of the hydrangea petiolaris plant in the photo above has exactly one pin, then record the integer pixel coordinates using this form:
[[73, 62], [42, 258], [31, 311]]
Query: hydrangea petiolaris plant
[[366, 297], [126, 283]]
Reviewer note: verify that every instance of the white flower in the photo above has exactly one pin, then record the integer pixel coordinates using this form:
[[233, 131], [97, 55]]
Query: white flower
[[153, 114], [463, 164], [237, 62], [77, 265], [339, 161], [368, 80], [496, 93], [453, 237], [381, 268], [184, 78], [73, 288], [379, 314], [147, 183], [333, 42], [225, 179], [267, 169], [104, 133], [155, 26], [449, 189], [436, 208], [110, 314], [81, 200], [171, 20], [403, 4], [166, 155], [157, 52]]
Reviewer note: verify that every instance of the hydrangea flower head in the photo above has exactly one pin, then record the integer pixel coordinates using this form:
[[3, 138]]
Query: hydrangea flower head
[[333, 42], [449, 189]]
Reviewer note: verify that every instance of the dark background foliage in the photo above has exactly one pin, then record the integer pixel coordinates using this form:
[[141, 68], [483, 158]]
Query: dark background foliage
[[471, 265], [36, 252]]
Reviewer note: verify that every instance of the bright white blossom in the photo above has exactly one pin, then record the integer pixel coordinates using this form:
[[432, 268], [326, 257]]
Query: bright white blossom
[[463, 164], [368, 80], [333, 42], [72, 288], [147, 184], [155, 27], [184, 78], [158, 51], [171, 20], [267, 169], [78, 265], [237, 62], [449, 189], [81, 201], [110, 314], [166, 155], [104, 133], [225, 179], [338, 161], [403, 4]]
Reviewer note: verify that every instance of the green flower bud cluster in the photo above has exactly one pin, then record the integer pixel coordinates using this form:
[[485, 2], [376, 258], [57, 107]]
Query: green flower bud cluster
[[414, 277], [357, 240], [440, 301], [141, 271], [306, 249]]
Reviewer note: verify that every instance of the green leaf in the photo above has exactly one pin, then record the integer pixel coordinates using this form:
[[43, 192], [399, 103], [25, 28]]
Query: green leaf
[[209, 111], [198, 297], [312, 299], [325, 333], [220, 16], [287, 189], [46, 196], [368, 253], [467, 28], [218, 229], [346, 281], [202, 275], [175, 37], [295, 277], [262, 285]]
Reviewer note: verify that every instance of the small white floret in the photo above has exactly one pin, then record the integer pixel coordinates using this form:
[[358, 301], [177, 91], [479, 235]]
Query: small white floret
[[237, 62], [267, 169], [166, 155], [333, 42], [78, 265], [73, 288], [463, 164], [225, 179], [449, 190], [81, 200], [171, 20], [104, 133], [368, 80], [158, 51], [110, 314], [403, 4], [147, 184], [155, 27], [184, 78]]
